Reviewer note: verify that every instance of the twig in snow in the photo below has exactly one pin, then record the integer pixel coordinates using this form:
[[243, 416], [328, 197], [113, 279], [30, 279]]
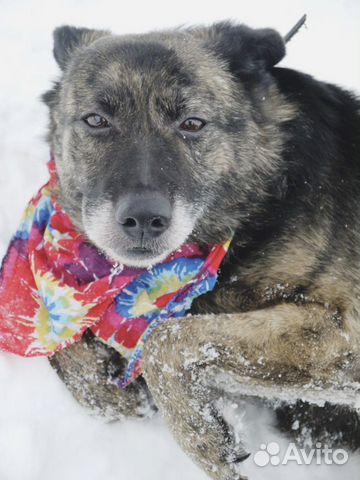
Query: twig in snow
[[295, 29]]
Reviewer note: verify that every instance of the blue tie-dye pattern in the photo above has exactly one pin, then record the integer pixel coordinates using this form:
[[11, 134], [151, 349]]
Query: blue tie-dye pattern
[[56, 320], [177, 308], [43, 213], [40, 218], [180, 268]]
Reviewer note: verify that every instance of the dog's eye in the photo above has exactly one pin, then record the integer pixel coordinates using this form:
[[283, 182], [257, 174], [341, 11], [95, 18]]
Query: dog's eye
[[96, 121], [192, 125]]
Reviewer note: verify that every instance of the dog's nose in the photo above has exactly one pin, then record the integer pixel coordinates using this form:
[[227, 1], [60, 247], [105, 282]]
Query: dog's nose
[[144, 215]]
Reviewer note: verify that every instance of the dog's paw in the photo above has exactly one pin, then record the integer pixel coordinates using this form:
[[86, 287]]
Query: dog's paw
[[88, 368], [220, 449], [229, 416]]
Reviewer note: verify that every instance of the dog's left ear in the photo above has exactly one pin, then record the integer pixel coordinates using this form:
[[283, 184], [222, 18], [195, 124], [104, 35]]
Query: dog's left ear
[[245, 49], [68, 39]]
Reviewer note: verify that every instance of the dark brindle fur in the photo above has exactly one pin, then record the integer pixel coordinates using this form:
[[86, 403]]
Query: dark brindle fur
[[277, 163]]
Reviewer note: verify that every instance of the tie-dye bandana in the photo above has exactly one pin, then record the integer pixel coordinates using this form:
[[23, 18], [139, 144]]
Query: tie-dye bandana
[[54, 285]]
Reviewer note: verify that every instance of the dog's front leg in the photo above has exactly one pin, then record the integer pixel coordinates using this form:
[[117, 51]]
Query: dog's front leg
[[283, 345], [88, 369]]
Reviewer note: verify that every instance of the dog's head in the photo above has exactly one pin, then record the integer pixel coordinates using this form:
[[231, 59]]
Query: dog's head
[[162, 137]]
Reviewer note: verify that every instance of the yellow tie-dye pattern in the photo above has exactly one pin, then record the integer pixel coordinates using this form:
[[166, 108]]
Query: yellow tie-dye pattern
[[167, 284], [54, 237], [72, 314]]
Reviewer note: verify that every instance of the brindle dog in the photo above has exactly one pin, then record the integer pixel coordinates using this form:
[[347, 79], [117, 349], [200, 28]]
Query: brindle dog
[[195, 134]]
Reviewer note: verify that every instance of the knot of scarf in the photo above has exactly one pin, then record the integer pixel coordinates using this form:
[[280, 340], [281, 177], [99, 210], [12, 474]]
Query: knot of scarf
[[54, 285]]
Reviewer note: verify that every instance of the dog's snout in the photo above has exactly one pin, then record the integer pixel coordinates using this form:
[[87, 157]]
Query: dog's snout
[[144, 215]]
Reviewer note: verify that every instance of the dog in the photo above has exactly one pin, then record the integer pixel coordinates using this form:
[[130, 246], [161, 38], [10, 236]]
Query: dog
[[195, 134]]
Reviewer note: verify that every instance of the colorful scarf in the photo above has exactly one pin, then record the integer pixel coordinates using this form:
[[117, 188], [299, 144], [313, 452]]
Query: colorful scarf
[[54, 285]]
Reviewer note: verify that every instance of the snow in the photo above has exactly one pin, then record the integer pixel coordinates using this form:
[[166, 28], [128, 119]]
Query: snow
[[44, 434]]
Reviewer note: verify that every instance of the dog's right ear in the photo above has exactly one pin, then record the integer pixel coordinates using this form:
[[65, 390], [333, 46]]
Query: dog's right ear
[[67, 39]]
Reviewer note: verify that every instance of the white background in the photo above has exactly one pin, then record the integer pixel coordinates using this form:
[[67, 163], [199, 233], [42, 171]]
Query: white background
[[43, 433]]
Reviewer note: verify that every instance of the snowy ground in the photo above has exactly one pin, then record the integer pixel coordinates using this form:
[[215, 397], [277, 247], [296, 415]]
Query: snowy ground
[[43, 433]]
